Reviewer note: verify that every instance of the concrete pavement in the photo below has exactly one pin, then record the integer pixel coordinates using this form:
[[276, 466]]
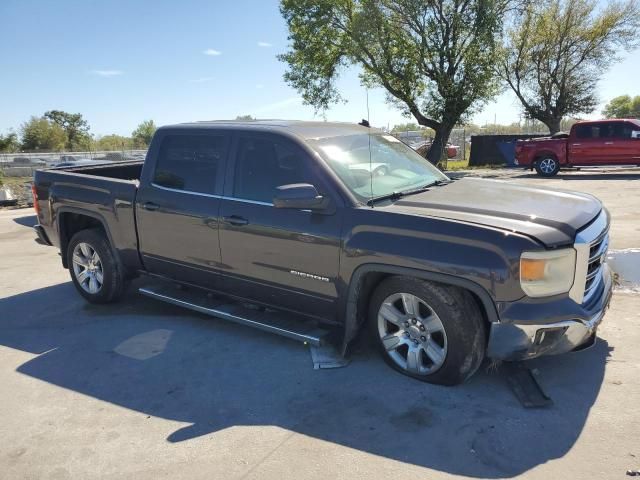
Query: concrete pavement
[[146, 390]]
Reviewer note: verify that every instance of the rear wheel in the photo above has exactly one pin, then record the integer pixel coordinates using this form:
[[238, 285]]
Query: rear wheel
[[426, 330], [95, 271], [547, 166]]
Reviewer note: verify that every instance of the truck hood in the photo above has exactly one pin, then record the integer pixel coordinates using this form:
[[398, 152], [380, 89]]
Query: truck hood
[[551, 216]]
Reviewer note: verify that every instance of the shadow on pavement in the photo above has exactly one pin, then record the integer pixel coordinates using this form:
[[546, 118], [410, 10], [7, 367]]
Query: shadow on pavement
[[162, 361], [26, 221]]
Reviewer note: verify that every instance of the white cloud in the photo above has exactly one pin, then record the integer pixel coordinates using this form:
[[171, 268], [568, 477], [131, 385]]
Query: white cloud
[[107, 73], [211, 52], [264, 44], [202, 79]]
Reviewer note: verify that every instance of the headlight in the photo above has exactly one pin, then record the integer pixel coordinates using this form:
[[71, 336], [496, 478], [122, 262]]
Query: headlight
[[547, 273]]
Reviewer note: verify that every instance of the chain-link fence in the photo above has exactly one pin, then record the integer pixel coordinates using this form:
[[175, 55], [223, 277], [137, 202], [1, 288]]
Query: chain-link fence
[[457, 148]]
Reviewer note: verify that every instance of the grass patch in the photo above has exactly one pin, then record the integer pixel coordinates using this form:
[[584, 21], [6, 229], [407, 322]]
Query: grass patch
[[453, 165], [14, 182]]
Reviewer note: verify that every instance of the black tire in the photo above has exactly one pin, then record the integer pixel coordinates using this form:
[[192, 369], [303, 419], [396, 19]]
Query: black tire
[[459, 315], [547, 166], [114, 283]]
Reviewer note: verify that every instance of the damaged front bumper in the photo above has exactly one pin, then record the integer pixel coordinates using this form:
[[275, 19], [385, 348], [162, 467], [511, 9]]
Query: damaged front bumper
[[525, 339]]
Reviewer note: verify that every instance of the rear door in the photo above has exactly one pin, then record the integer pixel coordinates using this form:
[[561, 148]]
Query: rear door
[[282, 257], [591, 144], [178, 205]]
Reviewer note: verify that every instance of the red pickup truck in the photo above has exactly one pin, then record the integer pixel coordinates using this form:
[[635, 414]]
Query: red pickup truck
[[588, 144]]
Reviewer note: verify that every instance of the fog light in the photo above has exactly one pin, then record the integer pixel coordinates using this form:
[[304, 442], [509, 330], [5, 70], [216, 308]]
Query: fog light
[[546, 337]]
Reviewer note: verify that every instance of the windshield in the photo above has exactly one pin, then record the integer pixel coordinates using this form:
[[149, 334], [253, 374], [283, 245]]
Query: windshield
[[393, 166]]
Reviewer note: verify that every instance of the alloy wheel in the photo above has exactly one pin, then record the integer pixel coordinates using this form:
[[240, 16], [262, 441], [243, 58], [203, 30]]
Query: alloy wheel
[[412, 334], [87, 268], [548, 165]]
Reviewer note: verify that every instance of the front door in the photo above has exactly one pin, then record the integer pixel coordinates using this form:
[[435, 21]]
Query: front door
[[281, 257], [178, 205], [626, 148]]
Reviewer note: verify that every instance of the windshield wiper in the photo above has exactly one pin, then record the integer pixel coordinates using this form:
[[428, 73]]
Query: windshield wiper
[[388, 196], [422, 188], [403, 193]]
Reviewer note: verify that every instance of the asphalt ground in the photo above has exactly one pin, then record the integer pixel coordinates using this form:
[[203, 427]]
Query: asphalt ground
[[144, 390]]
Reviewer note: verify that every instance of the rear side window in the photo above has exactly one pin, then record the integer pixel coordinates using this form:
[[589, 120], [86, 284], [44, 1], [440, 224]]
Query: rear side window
[[262, 164], [192, 163], [591, 131]]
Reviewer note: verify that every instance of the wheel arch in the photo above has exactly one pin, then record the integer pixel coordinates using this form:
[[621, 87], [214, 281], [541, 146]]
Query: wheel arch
[[544, 154], [71, 221], [368, 276]]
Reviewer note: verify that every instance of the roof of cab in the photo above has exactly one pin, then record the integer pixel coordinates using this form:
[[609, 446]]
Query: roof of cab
[[304, 129], [608, 120]]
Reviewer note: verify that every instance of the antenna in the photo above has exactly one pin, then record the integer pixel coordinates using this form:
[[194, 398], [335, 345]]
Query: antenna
[[370, 162]]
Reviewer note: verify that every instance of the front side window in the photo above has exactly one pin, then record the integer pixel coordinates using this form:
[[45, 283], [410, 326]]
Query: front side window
[[192, 163], [373, 165], [622, 130], [263, 164]]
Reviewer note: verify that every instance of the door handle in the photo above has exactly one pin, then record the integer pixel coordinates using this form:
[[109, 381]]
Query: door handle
[[236, 220], [576, 144], [150, 206], [608, 143]]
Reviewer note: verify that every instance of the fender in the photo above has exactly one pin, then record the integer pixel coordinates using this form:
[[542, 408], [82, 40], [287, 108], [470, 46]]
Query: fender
[[86, 213], [351, 321], [560, 156]]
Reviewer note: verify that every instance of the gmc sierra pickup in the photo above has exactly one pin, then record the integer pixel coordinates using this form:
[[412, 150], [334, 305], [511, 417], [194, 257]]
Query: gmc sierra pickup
[[588, 144], [290, 221]]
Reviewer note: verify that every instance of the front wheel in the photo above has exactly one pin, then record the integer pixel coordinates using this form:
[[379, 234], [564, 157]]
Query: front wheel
[[547, 166], [428, 331], [95, 270]]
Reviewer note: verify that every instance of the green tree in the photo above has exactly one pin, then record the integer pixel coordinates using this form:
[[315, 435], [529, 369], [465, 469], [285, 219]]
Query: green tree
[[623, 106], [113, 143], [143, 134], [9, 143], [557, 50], [75, 127], [244, 117], [39, 133], [433, 57], [406, 127]]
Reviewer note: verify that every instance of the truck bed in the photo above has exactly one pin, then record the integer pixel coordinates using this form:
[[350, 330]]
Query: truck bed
[[121, 170], [101, 196]]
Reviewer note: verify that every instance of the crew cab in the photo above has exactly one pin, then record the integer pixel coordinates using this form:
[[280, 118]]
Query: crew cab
[[588, 144], [288, 220]]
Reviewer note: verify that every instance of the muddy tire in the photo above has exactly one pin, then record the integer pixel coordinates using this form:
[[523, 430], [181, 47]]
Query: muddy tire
[[429, 331]]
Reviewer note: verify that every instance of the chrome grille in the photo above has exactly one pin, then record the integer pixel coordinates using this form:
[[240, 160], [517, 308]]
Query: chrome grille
[[597, 252], [591, 248]]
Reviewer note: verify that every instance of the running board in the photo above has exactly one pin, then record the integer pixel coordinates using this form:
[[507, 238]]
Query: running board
[[280, 323]]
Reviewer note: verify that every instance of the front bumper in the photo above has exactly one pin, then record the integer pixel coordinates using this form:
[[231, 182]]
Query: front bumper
[[525, 340]]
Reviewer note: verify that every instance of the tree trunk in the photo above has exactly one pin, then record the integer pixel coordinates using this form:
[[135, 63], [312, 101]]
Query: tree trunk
[[553, 124], [436, 152]]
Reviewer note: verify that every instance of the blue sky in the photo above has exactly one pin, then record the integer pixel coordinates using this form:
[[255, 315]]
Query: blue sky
[[119, 62]]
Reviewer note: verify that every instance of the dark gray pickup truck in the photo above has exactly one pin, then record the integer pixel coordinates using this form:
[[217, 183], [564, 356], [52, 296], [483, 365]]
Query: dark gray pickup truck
[[307, 227]]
